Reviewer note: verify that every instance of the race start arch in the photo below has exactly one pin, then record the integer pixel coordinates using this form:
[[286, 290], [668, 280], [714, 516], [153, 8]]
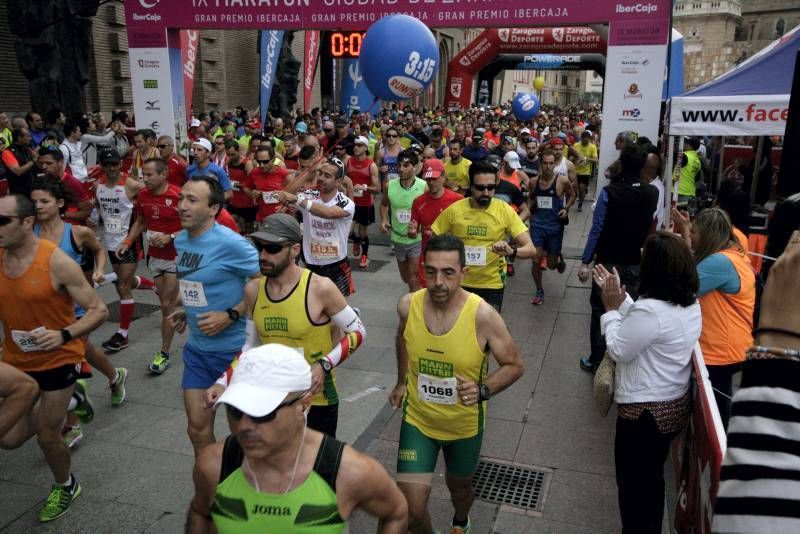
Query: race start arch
[[493, 42], [639, 32]]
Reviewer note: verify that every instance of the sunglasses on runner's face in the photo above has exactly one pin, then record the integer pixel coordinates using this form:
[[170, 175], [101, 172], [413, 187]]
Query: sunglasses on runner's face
[[162, 147], [236, 413], [391, 135], [482, 187], [270, 248], [5, 219], [264, 161]]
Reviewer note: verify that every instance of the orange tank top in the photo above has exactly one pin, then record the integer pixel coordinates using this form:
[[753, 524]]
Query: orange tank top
[[28, 302], [728, 318]]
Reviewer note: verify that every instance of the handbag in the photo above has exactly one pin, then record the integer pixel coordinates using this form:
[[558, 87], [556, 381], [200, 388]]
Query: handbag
[[604, 385]]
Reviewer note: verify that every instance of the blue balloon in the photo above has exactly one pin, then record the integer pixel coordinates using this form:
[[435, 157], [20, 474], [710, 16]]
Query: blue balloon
[[399, 57], [525, 106]]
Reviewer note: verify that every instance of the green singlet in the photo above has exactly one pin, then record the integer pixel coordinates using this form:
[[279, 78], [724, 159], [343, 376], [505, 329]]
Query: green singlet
[[309, 508]]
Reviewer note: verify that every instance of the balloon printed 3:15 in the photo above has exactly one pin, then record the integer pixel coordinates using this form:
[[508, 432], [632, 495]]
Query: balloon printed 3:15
[[398, 58]]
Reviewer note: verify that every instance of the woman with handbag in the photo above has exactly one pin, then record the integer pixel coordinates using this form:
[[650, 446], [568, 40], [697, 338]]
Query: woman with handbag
[[651, 341], [727, 295]]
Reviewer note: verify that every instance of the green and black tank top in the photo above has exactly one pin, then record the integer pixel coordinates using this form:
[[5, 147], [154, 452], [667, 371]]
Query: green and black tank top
[[309, 508]]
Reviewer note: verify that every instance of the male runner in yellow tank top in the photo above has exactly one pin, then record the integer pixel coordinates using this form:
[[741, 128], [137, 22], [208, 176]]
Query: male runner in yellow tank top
[[294, 307], [442, 341]]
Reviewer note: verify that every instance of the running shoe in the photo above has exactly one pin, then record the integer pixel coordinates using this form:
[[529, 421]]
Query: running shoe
[[85, 409], [462, 530], [538, 298], [159, 364], [116, 343], [510, 269], [118, 387], [356, 249], [364, 263], [588, 365], [58, 502], [562, 265], [71, 434]]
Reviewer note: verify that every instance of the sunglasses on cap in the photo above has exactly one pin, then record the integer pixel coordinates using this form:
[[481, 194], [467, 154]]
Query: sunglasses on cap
[[270, 248], [337, 162], [5, 219], [484, 187], [236, 414]]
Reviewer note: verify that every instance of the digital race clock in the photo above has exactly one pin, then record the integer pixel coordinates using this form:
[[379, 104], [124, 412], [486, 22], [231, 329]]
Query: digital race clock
[[346, 44]]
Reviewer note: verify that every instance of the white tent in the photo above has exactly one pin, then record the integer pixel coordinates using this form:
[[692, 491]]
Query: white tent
[[752, 99]]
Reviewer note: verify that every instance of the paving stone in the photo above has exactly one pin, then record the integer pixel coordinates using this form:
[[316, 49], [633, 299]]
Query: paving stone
[[17, 500], [585, 499], [512, 523]]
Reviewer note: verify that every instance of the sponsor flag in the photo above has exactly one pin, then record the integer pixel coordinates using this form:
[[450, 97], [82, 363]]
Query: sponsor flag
[[190, 40], [310, 57], [355, 94], [270, 49]]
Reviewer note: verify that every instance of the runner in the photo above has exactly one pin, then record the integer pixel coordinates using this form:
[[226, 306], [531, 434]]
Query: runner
[[483, 225], [42, 338], [530, 159], [213, 265], [157, 217], [510, 189], [442, 383], [273, 474], [366, 183], [456, 169], [386, 156], [428, 206], [396, 214], [241, 206], [79, 203], [203, 166], [265, 182], [175, 164], [587, 154], [298, 309], [80, 244], [326, 226], [115, 198], [547, 224]]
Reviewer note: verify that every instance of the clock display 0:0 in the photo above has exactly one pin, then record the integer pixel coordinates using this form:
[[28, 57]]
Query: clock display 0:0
[[346, 44]]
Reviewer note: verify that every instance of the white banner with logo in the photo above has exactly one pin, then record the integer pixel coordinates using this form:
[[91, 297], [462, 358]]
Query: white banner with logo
[[152, 90], [632, 96], [729, 115]]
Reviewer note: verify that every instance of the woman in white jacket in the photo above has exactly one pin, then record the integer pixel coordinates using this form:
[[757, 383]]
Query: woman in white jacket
[[651, 341]]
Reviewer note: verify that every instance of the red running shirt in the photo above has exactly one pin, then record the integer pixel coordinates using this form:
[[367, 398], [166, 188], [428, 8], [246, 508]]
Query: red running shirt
[[160, 213], [358, 171], [268, 185]]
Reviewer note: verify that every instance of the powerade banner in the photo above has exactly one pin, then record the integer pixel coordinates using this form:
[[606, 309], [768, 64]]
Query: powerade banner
[[555, 61], [271, 42], [355, 94], [309, 65]]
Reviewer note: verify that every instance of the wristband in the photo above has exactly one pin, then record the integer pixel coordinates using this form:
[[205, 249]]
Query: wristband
[[66, 336]]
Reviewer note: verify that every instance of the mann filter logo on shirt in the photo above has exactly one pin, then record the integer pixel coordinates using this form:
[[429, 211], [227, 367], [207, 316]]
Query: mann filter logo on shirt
[[260, 509], [477, 231], [276, 323], [435, 368]]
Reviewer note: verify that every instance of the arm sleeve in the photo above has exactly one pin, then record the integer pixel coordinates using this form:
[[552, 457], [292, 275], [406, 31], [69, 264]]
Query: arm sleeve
[[717, 272], [628, 335], [348, 321], [598, 221]]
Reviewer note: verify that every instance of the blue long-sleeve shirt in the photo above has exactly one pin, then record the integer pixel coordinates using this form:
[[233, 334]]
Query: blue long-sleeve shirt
[[598, 220]]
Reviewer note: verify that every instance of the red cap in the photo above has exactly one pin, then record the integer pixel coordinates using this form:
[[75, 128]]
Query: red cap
[[432, 169]]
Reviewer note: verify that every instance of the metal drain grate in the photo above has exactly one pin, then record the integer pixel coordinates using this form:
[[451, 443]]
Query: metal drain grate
[[140, 310], [500, 483], [374, 265]]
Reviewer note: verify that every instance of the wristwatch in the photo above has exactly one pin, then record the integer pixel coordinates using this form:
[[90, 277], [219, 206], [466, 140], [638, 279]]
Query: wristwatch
[[325, 364], [513, 249], [172, 236], [66, 337], [484, 392], [233, 314]]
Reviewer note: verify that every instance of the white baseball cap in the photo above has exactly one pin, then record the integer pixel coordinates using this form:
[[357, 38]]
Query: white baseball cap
[[204, 143], [264, 377], [512, 158], [525, 130], [194, 123], [361, 140]]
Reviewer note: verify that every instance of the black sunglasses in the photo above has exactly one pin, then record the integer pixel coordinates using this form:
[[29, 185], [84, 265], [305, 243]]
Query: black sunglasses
[[271, 248], [163, 146], [489, 187], [5, 219], [391, 135], [263, 161], [236, 413]]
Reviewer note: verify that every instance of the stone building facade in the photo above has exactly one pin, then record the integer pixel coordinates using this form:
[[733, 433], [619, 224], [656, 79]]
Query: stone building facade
[[719, 34]]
